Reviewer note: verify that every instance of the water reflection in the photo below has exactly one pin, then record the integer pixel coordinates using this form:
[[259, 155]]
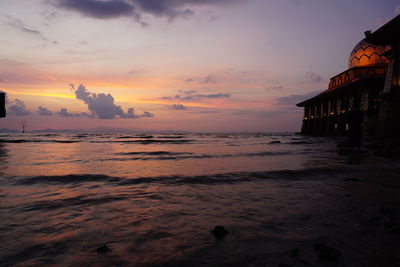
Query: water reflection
[[149, 202], [153, 155], [3, 158]]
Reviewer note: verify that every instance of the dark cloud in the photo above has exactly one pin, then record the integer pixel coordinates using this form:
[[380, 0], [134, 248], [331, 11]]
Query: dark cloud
[[294, 99], [147, 114], [99, 9], [42, 111], [177, 107], [169, 8], [189, 80], [102, 105], [313, 78], [64, 113], [17, 107], [107, 9], [192, 95], [217, 95]]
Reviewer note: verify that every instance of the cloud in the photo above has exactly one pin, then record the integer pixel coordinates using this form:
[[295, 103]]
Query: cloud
[[177, 107], [147, 114], [274, 88], [64, 113], [99, 9], [108, 9], [21, 26], [294, 99], [210, 79], [102, 105], [217, 95], [313, 78], [42, 111], [189, 80], [192, 95], [187, 91], [17, 107], [274, 85]]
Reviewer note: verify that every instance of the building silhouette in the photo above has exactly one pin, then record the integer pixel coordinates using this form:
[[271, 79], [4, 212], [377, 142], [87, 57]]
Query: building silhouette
[[369, 86]]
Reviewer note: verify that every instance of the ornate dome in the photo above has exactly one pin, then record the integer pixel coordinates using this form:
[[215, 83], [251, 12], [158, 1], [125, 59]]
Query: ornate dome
[[366, 54]]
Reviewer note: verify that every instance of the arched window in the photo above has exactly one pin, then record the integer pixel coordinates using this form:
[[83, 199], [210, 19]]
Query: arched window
[[346, 77], [340, 80]]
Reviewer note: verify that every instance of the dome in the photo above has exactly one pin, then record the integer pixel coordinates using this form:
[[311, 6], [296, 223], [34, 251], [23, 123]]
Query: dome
[[366, 54]]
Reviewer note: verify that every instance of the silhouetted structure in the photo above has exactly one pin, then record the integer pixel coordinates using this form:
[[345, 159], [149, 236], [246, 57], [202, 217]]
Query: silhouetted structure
[[355, 120], [2, 104], [370, 86]]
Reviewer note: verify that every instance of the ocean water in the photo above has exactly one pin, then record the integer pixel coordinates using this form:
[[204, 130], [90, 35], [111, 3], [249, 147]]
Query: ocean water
[[152, 199]]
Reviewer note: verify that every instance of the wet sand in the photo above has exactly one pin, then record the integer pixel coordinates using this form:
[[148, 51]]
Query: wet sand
[[355, 213]]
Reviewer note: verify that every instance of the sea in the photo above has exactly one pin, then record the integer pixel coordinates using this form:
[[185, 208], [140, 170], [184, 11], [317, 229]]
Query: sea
[[153, 199]]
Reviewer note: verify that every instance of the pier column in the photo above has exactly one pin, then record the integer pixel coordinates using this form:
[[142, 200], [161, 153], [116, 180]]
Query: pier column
[[2, 104]]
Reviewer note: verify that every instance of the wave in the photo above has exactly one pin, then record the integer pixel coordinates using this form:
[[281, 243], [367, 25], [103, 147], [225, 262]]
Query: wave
[[155, 153], [47, 135], [81, 135], [135, 136], [70, 202], [147, 142], [66, 179], [309, 173], [304, 142], [143, 142], [17, 141], [168, 158], [164, 155], [172, 137]]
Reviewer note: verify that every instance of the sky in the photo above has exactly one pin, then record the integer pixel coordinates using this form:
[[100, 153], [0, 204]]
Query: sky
[[175, 65]]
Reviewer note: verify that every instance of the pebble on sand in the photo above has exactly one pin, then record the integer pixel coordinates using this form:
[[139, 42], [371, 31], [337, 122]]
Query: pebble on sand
[[219, 232], [103, 249]]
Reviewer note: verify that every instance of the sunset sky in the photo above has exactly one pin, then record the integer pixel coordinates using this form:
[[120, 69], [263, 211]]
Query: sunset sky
[[194, 65]]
